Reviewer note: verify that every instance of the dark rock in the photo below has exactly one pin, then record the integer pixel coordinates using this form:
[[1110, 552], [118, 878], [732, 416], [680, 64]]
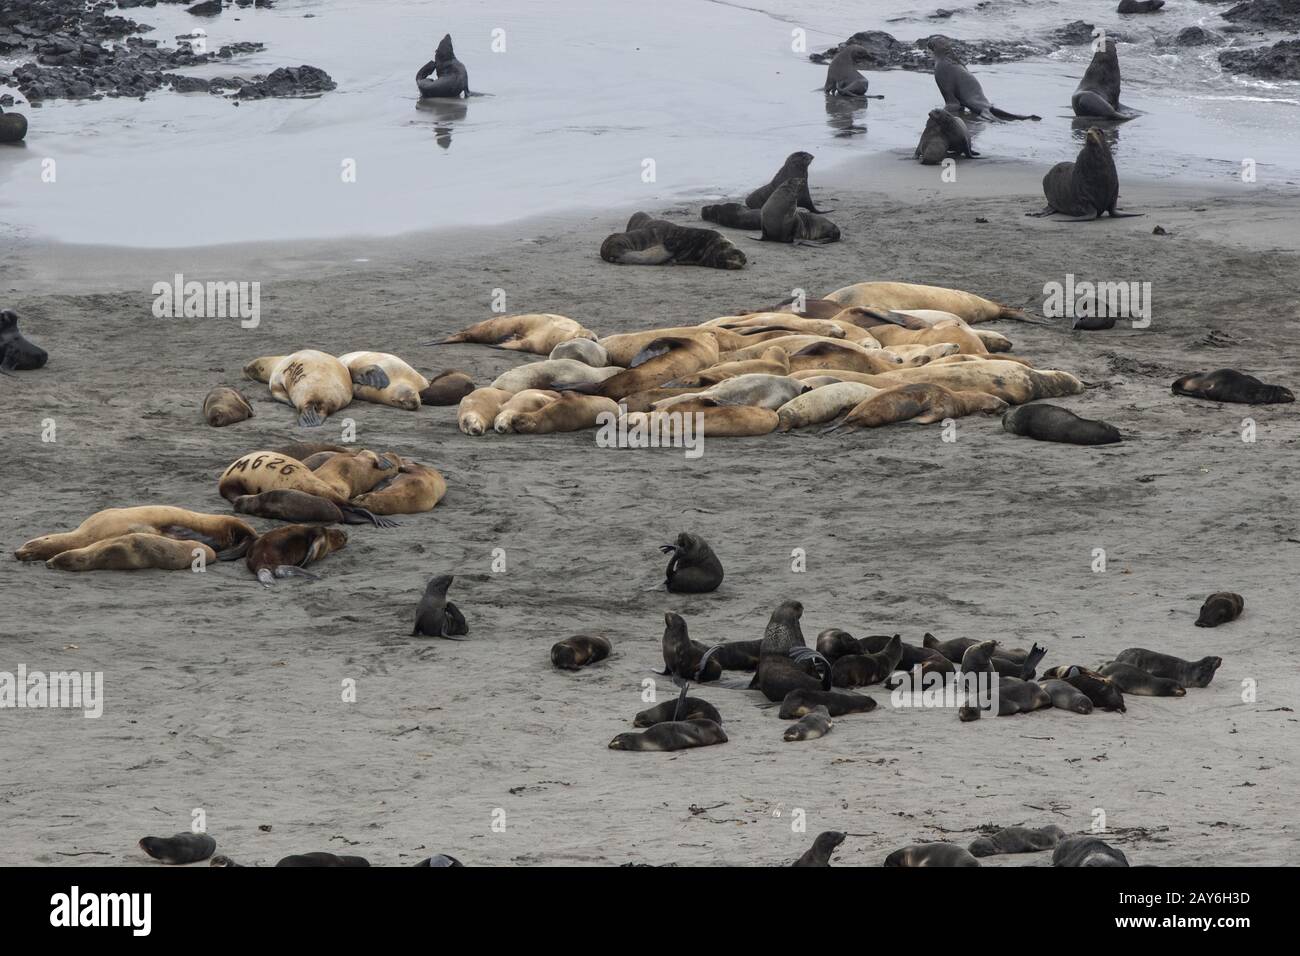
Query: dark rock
[[288, 81], [209, 8], [1272, 14], [1195, 36], [1281, 61]]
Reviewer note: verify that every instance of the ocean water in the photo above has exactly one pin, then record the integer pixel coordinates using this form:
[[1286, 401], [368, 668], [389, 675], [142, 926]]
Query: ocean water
[[587, 104]]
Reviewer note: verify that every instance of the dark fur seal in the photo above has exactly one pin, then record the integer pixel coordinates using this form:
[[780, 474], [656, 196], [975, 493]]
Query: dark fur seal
[[833, 644], [1140, 6], [436, 616], [1188, 673], [815, 723], [1017, 840], [952, 650], [737, 655], [13, 127], [1134, 680], [859, 670], [1020, 667], [1053, 423], [1017, 696], [932, 854], [452, 77], [653, 242], [574, 653], [692, 708], [447, 388], [225, 406], [1087, 187], [1229, 385], [1067, 696], [682, 656], [16, 353], [284, 552], [959, 88], [672, 735], [819, 854], [693, 567], [1220, 608], [842, 76], [778, 672], [794, 167], [944, 134], [322, 859], [179, 849], [440, 859], [1097, 94], [1103, 692], [781, 221], [802, 701], [1087, 851], [289, 504]]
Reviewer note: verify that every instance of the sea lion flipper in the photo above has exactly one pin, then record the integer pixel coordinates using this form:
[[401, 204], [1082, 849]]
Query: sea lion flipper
[[310, 418], [362, 516], [454, 623], [291, 571], [371, 375]]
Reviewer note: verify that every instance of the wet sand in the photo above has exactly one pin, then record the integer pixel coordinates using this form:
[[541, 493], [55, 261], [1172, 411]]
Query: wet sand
[[224, 696]]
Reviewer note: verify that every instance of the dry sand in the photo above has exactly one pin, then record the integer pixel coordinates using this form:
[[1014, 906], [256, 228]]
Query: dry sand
[[226, 697]]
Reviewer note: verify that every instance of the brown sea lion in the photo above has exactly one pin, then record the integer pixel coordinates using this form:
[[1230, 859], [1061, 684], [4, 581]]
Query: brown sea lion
[[1012, 382], [662, 360], [226, 535], [1220, 608], [923, 403], [225, 406], [819, 854], [447, 388], [479, 409], [553, 374], [570, 412], [682, 655], [774, 361], [574, 653], [795, 165], [692, 708], [133, 552], [285, 551], [931, 854], [1188, 673], [960, 335], [822, 404], [718, 421], [337, 480], [537, 332], [648, 241], [415, 489]]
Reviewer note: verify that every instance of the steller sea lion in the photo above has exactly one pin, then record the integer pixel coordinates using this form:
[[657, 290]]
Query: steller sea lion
[[415, 489], [843, 356], [1053, 423], [795, 166], [753, 388], [447, 388], [284, 552], [923, 403], [225, 406], [574, 653], [384, 379], [287, 504], [552, 374], [1188, 673], [931, 854], [692, 708], [179, 849], [1134, 680], [662, 360], [451, 79], [1220, 608], [16, 353], [586, 351], [1087, 851], [651, 242], [693, 567], [801, 701], [906, 295], [1229, 385], [1067, 696], [822, 404], [1012, 382], [314, 382], [959, 89], [436, 616], [228, 536], [819, 854], [538, 332], [1087, 187], [944, 134], [955, 333], [133, 552], [682, 656], [759, 321], [340, 479], [570, 412], [1017, 840], [529, 400], [479, 409], [672, 735], [815, 723], [1097, 94], [717, 420]]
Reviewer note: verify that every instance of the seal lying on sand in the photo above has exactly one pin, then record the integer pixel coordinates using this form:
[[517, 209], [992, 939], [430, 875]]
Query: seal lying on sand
[[1017, 840], [320, 859], [574, 653], [931, 854], [693, 567], [452, 77], [815, 723], [228, 536], [1087, 851], [1097, 94], [653, 242], [692, 708], [795, 166], [179, 849], [909, 295], [1134, 680], [1101, 690], [1087, 187], [672, 735], [837, 703], [1229, 385], [1188, 673], [1220, 608], [944, 135], [225, 406], [960, 90], [284, 552], [536, 332], [1067, 697], [133, 552], [819, 854], [1053, 423]]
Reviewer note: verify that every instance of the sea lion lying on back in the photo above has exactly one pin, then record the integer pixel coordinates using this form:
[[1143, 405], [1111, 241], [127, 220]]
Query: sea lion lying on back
[[652, 242], [1087, 187]]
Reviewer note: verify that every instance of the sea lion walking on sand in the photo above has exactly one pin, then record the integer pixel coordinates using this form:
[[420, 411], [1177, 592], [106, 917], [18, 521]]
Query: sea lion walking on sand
[[1097, 94], [452, 77], [16, 353], [1229, 385], [1220, 608], [944, 134], [653, 242], [436, 616], [693, 567], [284, 552], [1087, 187], [959, 88], [794, 167]]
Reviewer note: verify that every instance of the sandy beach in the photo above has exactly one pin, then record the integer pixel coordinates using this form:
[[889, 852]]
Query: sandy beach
[[223, 696]]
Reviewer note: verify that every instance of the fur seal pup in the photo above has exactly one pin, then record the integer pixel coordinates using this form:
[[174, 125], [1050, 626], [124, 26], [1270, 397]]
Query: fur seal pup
[[479, 409], [13, 127], [1016, 696], [819, 854], [452, 79], [1053, 423], [1140, 6], [1087, 851], [1229, 385], [179, 849], [895, 296], [781, 221], [693, 567], [931, 854], [1101, 690], [1067, 697], [132, 552], [960, 90], [222, 860], [570, 412], [284, 552], [536, 332], [314, 382], [16, 353], [803, 701], [944, 134], [794, 167], [1136, 681], [1017, 840], [815, 723], [1188, 673], [574, 653], [1087, 187], [683, 656], [859, 670], [778, 673], [436, 616], [672, 735], [692, 708], [286, 504], [1097, 94], [923, 403], [587, 351], [1220, 608], [447, 388], [415, 489], [653, 242], [322, 859], [228, 536], [224, 406]]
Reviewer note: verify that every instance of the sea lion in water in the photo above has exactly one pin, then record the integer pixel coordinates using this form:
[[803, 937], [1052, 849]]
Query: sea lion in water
[[570, 412], [16, 353], [944, 134], [436, 616], [813, 724], [133, 552], [479, 409], [13, 127], [1017, 840], [682, 655], [778, 673], [693, 567], [1229, 385], [1097, 94], [692, 708], [225, 406], [314, 382], [931, 854], [1087, 187], [301, 860], [415, 489], [1220, 608], [837, 703], [286, 504], [1188, 673], [1053, 423], [795, 166], [960, 90], [574, 653], [842, 76], [447, 388], [1134, 680], [907, 295], [819, 854], [452, 79], [859, 670], [923, 403], [227, 535], [284, 552], [781, 220], [1087, 851], [536, 332], [179, 849], [1102, 691], [653, 242], [1067, 696], [672, 735]]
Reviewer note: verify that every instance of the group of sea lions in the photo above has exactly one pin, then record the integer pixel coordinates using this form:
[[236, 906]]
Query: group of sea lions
[[1084, 850], [189, 847]]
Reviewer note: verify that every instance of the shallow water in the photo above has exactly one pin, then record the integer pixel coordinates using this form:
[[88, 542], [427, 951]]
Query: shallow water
[[583, 95]]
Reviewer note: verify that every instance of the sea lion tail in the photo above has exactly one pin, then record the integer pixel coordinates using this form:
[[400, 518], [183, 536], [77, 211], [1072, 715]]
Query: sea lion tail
[[1003, 114]]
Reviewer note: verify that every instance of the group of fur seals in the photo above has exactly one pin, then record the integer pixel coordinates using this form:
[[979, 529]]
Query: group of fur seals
[[944, 135], [574, 653], [436, 616], [1220, 608], [1017, 840], [776, 208], [652, 242], [693, 567], [1229, 385], [443, 76], [1087, 187], [960, 90], [1053, 423], [16, 353], [13, 127]]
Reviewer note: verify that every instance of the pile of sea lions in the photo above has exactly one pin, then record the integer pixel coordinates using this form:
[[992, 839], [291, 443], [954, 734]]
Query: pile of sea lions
[[188, 847]]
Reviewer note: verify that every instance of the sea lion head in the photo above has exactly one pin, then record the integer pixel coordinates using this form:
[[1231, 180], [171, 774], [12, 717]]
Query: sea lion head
[[938, 115], [1277, 394], [562, 655], [1106, 49], [1096, 139], [244, 503], [334, 539], [439, 584], [259, 370], [378, 462], [788, 611], [621, 742], [444, 53], [8, 323], [940, 46], [798, 161]]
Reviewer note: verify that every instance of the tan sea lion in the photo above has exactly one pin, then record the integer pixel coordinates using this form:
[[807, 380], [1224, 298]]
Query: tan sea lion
[[773, 362], [1013, 382], [302, 450], [447, 388], [720, 421], [315, 383], [923, 403], [815, 377], [227, 535], [260, 369], [338, 480], [822, 404], [286, 551], [225, 406], [966, 340], [286, 504], [756, 388], [778, 320], [553, 373], [571, 412], [906, 295], [847, 356], [662, 360], [625, 346], [479, 409], [529, 400], [413, 490], [133, 552], [384, 379], [537, 332], [914, 356], [646, 401]]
